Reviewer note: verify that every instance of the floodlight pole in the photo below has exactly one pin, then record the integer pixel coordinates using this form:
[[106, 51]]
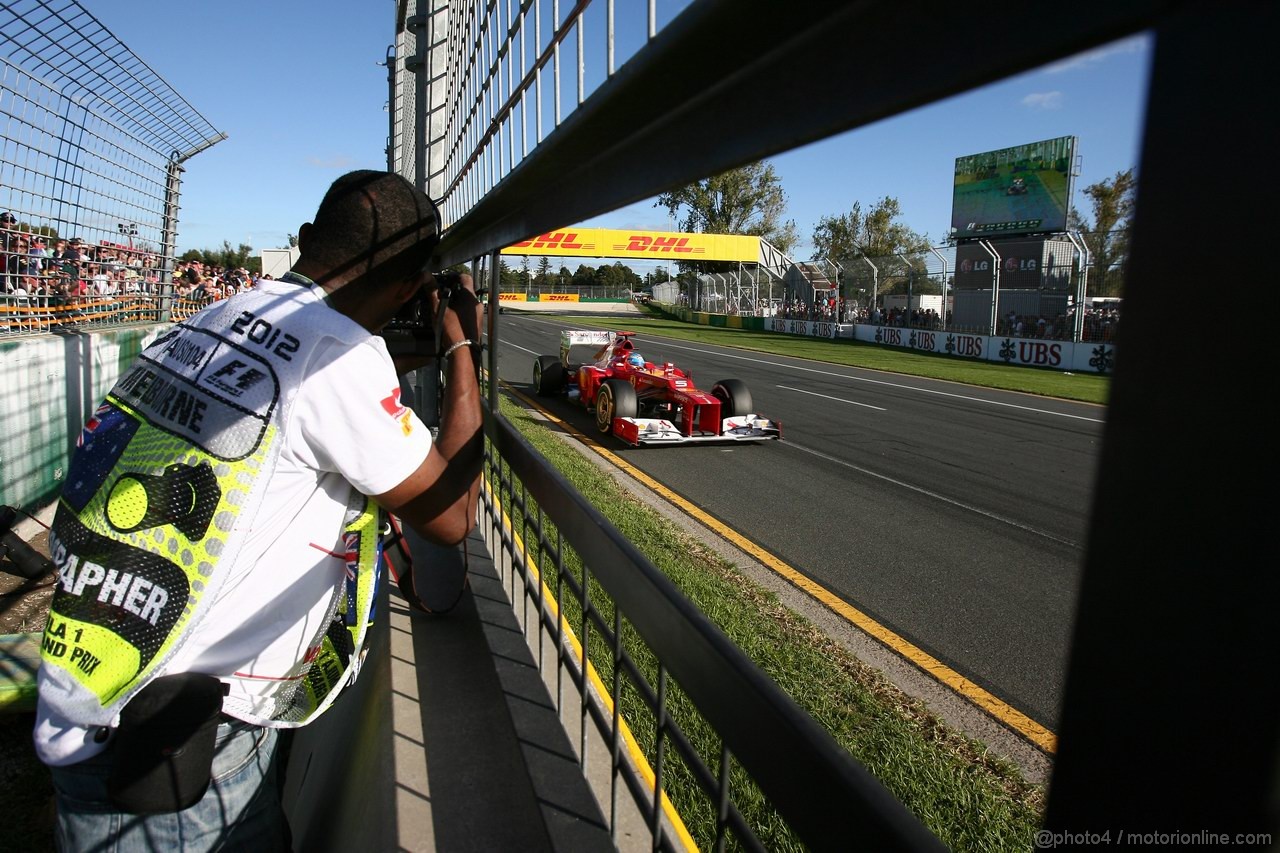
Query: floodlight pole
[[995, 282], [939, 256]]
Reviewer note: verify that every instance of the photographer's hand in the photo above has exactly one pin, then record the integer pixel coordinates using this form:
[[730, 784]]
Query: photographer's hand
[[439, 499], [464, 317]]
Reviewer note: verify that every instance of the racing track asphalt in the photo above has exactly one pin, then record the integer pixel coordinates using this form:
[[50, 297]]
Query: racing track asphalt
[[953, 515]]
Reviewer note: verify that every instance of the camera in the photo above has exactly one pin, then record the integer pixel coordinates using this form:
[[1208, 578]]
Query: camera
[[412, 331]]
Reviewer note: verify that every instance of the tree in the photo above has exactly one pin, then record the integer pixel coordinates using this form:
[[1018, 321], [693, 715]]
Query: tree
[[879, 236], [508, 279], [748, 200], [544, 272], [1107, 237], [616, 278]]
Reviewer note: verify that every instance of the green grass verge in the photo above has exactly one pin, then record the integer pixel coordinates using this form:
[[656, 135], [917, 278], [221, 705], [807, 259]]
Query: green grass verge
[[970, 799], [1088, 388]]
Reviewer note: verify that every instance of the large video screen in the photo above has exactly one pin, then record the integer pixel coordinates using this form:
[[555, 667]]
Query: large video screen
[[1025, 189]]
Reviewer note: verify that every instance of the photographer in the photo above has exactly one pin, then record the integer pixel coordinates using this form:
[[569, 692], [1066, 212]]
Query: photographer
[[218, 537]]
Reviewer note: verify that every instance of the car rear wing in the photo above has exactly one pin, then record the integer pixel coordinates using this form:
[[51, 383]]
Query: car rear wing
[[582, 337]]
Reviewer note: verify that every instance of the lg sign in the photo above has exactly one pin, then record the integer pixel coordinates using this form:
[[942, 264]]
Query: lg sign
[[968, 265]]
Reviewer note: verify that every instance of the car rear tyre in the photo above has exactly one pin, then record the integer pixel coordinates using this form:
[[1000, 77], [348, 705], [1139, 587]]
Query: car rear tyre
[[734, 397], [615, 399], [548, 376]]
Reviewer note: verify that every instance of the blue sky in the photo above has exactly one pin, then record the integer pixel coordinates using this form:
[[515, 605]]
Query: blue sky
[[298, 89]]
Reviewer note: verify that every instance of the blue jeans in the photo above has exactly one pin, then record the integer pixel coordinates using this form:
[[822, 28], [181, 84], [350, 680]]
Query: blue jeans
[[240, 811]]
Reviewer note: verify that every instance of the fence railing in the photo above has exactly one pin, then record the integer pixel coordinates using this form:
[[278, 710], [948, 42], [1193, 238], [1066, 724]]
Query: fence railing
[[492, 134], [651, 672], [21, 315]]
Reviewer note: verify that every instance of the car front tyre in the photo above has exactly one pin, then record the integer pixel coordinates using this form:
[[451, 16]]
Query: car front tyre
[[615, 399]]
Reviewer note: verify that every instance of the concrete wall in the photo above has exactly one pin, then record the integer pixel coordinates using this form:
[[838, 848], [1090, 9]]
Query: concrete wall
[[49, 386]]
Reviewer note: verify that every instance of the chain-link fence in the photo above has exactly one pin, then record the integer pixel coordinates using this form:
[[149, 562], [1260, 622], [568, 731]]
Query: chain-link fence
[[91, 154], [1052, 288]]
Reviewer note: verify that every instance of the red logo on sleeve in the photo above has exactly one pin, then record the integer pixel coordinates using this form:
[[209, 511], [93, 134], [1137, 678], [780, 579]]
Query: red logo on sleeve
[[392, 406]]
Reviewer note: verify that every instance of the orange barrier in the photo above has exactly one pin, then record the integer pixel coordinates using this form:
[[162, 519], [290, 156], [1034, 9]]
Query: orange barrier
[[39, 314]]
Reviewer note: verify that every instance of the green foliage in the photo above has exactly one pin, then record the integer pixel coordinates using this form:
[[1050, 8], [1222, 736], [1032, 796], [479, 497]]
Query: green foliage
[[47, 231], [544, 276], [508, 279], [612, 278], [226, 257], [877, 234], [748, 200], [1107, 236]]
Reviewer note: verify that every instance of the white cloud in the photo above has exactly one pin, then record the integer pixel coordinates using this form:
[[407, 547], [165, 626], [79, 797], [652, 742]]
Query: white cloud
[[1043, 100], [1135, 44]]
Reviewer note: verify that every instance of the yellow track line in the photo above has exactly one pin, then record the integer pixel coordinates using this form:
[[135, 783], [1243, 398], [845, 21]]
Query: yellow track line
[[633, 747], [997, 708]]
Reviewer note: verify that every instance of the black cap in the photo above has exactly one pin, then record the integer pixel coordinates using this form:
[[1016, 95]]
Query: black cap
[[7, 217]]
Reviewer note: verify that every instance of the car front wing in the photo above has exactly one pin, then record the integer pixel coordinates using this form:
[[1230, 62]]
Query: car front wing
[[652, 431]]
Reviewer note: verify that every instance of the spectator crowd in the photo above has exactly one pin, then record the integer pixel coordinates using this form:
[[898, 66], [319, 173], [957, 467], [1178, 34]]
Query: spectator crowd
[[47, 281]]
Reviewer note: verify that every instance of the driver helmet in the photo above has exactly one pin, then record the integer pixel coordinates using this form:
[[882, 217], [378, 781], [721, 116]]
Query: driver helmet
[[635, 359]]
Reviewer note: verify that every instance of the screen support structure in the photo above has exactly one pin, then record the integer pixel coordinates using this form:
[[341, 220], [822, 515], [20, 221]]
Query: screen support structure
[[1082, 283], [939, 256], [995, 283]]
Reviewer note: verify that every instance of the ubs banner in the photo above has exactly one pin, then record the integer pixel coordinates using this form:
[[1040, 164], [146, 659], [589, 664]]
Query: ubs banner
[[1024, 352], [809, 328]]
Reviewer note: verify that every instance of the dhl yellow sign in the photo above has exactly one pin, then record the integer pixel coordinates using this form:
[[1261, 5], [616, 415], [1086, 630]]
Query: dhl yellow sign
[[652, 245], [512, 297], [558, 297]]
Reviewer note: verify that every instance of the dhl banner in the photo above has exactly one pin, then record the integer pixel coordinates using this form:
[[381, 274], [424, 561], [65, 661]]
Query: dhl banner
[[655, 245], [545, 297]]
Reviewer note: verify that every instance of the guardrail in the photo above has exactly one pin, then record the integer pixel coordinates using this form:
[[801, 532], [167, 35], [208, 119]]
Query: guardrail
[[695, 704], [24, 315]]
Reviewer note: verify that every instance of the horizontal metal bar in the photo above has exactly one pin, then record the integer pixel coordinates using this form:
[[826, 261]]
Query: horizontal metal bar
[[787, 81]]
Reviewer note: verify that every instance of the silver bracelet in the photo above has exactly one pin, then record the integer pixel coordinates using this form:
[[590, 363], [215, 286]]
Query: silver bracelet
[[455, 347]]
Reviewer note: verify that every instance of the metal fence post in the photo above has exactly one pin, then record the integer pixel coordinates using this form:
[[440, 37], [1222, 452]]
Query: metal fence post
[[939, 256]]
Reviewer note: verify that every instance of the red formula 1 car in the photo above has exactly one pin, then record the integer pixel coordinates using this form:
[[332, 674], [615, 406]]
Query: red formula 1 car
[[645, 403]]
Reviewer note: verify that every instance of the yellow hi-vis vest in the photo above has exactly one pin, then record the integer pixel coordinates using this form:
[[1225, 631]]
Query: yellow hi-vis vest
[[160, 494]]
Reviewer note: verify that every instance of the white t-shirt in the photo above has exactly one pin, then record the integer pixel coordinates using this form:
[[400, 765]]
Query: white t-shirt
[[347, 429]]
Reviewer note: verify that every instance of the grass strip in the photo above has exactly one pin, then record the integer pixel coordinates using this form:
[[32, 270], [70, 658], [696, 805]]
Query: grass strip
[[969, 798], [1066, 385]]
